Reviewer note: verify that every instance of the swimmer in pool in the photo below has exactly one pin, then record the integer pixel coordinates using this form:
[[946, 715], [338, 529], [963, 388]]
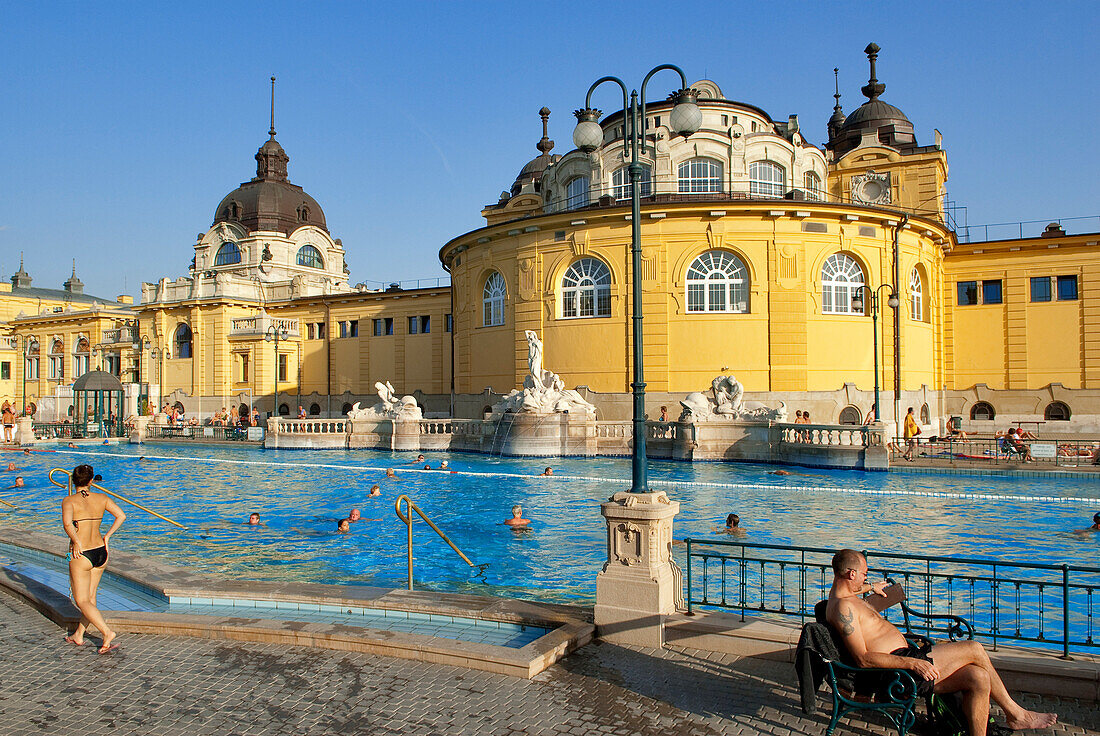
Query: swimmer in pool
[[17, 484], [1095, 525], [11, 468], [443, 465], [391, 475], [548, 471], [375, 490], [253, 519], [517, 521], [343, 526], [354, 515], [72, 445], [733, 526], [427, 466]]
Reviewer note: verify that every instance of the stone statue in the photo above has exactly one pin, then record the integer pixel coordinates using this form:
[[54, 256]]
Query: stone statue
[[403, 409], [726, 402], [543, 391], [727, 395]]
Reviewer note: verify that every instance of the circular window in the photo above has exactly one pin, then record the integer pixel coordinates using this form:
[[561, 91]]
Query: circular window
[[982, 412], [314, 410], [848, 415], [1056, 411]]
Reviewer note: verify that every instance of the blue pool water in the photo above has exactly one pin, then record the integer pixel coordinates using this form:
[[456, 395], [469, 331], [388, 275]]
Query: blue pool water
[[300, 494]]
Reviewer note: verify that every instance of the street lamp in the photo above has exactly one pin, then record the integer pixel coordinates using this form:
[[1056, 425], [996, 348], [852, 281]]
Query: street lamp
[[276, 334], [588, 136], [142, 345], [857, 306]]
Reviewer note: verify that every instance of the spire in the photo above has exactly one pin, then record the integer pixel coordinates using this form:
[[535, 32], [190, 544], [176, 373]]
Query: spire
[[545, 145], [271, 133], [837, 119], [74, 285], [873, 88], [21, 279], [271, 159]]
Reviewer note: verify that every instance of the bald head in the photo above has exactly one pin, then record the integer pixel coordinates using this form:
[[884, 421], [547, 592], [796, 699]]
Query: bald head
[[845, 560]]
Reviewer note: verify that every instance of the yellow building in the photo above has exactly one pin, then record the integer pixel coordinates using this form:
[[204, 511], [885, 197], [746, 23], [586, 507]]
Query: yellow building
[[755, 243]]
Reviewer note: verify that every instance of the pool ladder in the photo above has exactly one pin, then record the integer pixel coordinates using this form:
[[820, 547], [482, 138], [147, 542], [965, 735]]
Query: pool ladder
[[407, 518], [68, 486]]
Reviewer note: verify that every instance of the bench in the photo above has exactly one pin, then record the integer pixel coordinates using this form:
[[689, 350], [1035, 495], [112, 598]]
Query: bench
[[888, 691]]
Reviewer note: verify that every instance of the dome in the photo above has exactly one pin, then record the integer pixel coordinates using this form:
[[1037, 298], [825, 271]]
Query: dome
[[536, 167], [891, 126], [97, 381], [270, 201]]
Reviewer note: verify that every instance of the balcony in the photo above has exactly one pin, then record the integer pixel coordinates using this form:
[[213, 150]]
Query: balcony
[[258, 325], [9, 343], [120, 336]]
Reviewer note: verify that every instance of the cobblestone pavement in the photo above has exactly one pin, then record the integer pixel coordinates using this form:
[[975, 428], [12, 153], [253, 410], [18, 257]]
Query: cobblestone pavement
[[166, 686]]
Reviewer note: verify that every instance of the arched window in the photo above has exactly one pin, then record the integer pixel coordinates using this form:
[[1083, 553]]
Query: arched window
[[586, 289], [717, 281], [492, 300], [81, 355], [227, 255], [620, 183], [982, 411], [315, 410], [310, 256], [303, 213], [57, 359], [183, 341], [811, 183], [284, 410], [1056, 411], [848, 415], [699, 175], [178, 406], [767, 179], [33, 358], [841, 277], [345, 408], [916, 296], [925, 414], [576, 193]]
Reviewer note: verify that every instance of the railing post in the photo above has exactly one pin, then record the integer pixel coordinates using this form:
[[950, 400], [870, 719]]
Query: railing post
[[1065, 611], [689, 611]]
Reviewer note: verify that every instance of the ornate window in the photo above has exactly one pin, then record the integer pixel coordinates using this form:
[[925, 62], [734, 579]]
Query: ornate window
[[841, 278], [57, 359], [1056, 411], [32, 360], [492, 300], [576, 193], [982, 411], [848, 415], [81, 358], [183, 341], [916, 296], [767, 179], [699, 175], [586, 289], [811, 183], [227, 255], [925, 414], [310, 256], [717, 281], [620, 183]]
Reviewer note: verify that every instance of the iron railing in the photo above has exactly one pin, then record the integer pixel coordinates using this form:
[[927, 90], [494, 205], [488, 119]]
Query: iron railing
[[83, 430], [1038, 604], [1025, 229], [196, 432], [993, 452]]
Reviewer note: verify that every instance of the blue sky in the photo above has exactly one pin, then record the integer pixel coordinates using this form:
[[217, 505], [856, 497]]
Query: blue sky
[[125, 123]]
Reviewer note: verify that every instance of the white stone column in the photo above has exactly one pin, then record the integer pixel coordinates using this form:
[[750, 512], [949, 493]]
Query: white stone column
[[137, 434], [639, 585]]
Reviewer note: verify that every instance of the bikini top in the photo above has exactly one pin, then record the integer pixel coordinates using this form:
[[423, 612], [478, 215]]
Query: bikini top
[[90, 518]]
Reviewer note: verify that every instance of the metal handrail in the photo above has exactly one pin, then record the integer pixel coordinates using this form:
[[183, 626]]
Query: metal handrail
[[407, 519], [1010, 604], [69, 487]]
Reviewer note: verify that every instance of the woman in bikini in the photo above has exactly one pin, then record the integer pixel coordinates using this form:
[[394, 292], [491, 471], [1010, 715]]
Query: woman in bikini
[[81, 514]]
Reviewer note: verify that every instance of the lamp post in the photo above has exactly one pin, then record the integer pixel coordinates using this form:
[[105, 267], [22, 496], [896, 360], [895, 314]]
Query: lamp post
[[275, 334], [588, 136], [142, 345], [857, 306], [26, 367]]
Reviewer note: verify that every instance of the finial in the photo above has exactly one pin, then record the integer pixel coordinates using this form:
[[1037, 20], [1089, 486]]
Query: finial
[[74, 268], [836, 86], [20, 260], [271, 132], [545, 145], [873, 88]]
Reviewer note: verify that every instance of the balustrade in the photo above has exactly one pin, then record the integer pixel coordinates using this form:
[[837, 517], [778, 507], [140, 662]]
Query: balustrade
[[832, 435]]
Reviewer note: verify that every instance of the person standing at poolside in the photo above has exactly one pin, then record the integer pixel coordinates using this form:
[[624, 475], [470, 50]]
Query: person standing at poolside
[[9, 422], [81, 514], [912, 429]]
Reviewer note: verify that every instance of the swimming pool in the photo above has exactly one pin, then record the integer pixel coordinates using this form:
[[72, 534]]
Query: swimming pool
[[300, 495]]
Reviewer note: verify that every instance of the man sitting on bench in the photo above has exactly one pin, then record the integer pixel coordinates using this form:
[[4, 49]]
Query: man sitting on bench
[[956, 666]]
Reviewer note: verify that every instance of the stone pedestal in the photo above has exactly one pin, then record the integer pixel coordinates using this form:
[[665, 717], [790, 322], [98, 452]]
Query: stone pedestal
[[639, 585], [24, 431], [161, 419], [137, 434], [556, 434], [406, 435]]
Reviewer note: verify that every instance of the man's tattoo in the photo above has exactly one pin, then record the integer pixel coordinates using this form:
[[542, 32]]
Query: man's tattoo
[[846, 621]]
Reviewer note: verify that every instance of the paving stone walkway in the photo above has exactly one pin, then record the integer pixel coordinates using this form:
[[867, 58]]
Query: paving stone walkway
[[174, 686]]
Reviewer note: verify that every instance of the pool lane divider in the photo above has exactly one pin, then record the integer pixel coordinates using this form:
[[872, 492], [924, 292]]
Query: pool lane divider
[[656, 483], [566, 628]]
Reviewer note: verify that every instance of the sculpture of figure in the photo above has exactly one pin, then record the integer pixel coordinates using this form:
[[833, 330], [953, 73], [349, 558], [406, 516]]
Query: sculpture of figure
[[534, 355], [727, 395], [696, 407], [386, 392]]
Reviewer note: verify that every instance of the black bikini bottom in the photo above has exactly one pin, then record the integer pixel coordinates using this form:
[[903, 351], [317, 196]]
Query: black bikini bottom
[[97, 556]]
